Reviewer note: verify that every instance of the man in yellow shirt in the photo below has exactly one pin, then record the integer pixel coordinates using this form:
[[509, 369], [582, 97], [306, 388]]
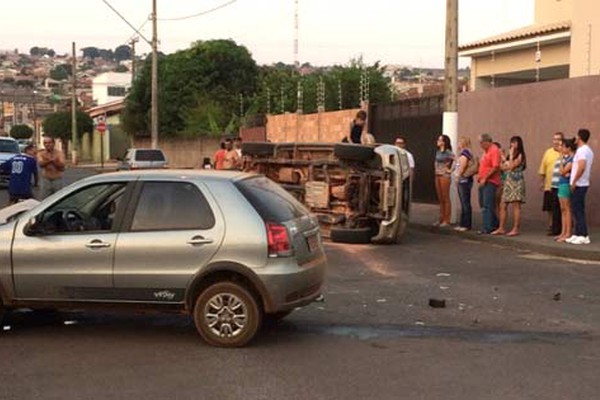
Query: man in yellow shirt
[[549, 175]]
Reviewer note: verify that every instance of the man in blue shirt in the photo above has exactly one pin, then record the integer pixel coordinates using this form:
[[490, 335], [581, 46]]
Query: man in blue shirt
[[23, 170]]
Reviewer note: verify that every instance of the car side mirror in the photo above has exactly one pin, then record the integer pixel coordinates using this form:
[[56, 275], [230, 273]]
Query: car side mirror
[[34, 227]]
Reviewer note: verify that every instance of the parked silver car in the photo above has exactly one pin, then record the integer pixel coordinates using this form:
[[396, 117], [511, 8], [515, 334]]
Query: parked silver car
[[142, 159], [228, 248]]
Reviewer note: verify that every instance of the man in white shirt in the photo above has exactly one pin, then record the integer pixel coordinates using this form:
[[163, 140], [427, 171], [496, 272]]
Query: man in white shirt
[[580, 182]]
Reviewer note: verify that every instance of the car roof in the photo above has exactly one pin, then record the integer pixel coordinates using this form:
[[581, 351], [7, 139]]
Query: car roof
[[8, 138], [175, 174]]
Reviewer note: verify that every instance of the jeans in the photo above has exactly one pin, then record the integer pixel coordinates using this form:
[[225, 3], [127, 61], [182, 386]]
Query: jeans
[[50, 186], [487, 203], [464, 194], [578, 209]]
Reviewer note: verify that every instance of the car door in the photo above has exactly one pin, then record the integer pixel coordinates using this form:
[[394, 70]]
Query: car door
[[68, 253], [174, 228]]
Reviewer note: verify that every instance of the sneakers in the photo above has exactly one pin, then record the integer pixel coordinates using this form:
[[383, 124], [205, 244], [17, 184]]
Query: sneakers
[[578, 240], [461, 229]]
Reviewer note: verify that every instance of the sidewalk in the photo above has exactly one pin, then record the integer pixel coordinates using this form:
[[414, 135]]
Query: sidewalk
[[533, 236]]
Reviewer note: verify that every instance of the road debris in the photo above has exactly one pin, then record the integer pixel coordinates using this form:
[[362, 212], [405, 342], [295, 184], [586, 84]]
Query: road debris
[[442, 274], [556, 296], [437, 303]]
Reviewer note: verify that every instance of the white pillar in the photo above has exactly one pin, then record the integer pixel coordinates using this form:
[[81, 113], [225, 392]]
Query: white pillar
[[450, 128]]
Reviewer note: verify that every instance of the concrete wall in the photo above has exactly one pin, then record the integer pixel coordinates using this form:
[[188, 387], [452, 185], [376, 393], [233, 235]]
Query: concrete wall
[[535, 112], [319, 127], [585, 39], [550, 11], [184, 153]]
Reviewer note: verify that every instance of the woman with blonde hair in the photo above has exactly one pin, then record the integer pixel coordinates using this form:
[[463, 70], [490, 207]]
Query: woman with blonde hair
[[465, 169]]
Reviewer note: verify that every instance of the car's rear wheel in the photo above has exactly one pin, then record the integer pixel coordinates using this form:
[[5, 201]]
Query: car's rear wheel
[[226, 314], [353, 152], [354, 235], [258, 149]]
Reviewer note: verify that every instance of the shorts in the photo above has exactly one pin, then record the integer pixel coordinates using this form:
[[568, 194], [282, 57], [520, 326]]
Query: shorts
[[564, 191], [547, 202]]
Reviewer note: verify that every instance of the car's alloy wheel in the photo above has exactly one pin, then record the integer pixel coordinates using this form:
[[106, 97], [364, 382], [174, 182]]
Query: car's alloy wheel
[[227, 315]]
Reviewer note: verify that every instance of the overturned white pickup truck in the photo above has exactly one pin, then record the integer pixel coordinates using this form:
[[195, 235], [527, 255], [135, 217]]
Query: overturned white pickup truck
[[360, 194]]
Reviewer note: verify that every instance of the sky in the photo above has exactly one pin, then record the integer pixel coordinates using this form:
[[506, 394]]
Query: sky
[[406, 32]]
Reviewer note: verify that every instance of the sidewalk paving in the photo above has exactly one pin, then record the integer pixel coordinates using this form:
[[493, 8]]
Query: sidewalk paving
[[533, 236]]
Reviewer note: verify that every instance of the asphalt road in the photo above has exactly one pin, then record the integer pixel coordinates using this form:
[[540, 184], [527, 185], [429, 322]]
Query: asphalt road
[[516, 325]]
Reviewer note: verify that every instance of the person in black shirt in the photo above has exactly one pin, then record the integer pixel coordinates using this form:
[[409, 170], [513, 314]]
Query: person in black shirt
[[357, 127]]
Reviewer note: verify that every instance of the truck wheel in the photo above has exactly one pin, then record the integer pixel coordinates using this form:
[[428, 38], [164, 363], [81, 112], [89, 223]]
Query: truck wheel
[[353, 152], [258, 149], [226, 314], [356, 236]]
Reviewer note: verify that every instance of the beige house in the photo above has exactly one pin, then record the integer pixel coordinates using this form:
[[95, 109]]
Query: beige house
[[564, 42]]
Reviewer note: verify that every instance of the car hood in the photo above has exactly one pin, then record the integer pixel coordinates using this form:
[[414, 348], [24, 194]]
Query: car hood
[[7, 212], [6, 156]]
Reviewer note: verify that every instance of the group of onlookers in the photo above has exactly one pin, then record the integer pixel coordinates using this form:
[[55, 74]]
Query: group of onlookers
[[23, 171], [228, 157], [565, 172]]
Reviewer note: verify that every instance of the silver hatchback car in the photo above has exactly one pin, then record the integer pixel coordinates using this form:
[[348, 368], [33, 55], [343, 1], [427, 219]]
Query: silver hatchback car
[[139, 158], [229, 248]]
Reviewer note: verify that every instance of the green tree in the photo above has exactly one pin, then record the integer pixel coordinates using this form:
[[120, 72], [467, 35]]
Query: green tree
[[21, 131], [91, 52], [215, 70], [58, 125], [122, 53], [121, 68], [61, 72]]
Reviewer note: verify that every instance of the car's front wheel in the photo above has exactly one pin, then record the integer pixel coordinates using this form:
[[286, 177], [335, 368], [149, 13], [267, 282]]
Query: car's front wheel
[[226, 314]]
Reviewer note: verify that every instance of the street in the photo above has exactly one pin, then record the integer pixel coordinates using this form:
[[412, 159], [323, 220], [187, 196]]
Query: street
[[516, 325]]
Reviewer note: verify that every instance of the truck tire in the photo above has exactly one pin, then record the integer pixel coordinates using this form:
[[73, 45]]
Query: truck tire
[[355, 236], [226, 314], [258, 149], [353, 152]]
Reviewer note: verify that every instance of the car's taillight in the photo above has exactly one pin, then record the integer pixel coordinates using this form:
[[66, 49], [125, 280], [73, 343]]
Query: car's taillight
[[278, 240]]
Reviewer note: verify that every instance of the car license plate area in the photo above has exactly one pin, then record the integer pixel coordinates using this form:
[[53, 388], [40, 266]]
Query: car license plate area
[[313, 243]]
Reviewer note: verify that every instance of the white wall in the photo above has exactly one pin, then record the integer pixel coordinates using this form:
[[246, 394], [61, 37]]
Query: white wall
[[101, 83]]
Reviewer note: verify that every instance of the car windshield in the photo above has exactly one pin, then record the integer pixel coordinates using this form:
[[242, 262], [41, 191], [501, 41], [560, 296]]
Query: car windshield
[[149, 155], [9, 146]]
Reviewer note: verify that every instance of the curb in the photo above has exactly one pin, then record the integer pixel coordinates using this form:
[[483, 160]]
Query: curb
[[569, 251]]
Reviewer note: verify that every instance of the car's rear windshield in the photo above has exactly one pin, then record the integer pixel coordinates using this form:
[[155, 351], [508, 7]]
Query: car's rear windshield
[[9, 146], [270, 200], [149, 155]]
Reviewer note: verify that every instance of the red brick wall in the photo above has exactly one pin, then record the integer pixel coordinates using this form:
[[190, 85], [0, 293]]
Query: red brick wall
[[319, 127]]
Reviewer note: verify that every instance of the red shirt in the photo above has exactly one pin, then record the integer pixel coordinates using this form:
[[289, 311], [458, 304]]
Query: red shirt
[[220, 158], [490, 160]]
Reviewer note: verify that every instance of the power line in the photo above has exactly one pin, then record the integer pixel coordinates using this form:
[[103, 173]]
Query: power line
[[127, 22], [200, 13]]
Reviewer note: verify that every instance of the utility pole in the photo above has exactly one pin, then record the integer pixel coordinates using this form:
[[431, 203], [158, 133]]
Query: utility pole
[[133, 69], [74, 107], [154, 106], [299, 90], [450, 120]]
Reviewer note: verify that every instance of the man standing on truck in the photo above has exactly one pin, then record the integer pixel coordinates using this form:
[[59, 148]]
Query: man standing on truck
[[52, 163], [22, 170]]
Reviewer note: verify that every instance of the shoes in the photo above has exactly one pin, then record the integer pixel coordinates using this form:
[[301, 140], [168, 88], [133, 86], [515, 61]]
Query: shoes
[[461, 229], [443, 225], [571, 238], [579, 240]]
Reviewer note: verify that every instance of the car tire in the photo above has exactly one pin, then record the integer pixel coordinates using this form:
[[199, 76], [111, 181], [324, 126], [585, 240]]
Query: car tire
[[353, 152], [222, 330], [258, 149], [355, 236]]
